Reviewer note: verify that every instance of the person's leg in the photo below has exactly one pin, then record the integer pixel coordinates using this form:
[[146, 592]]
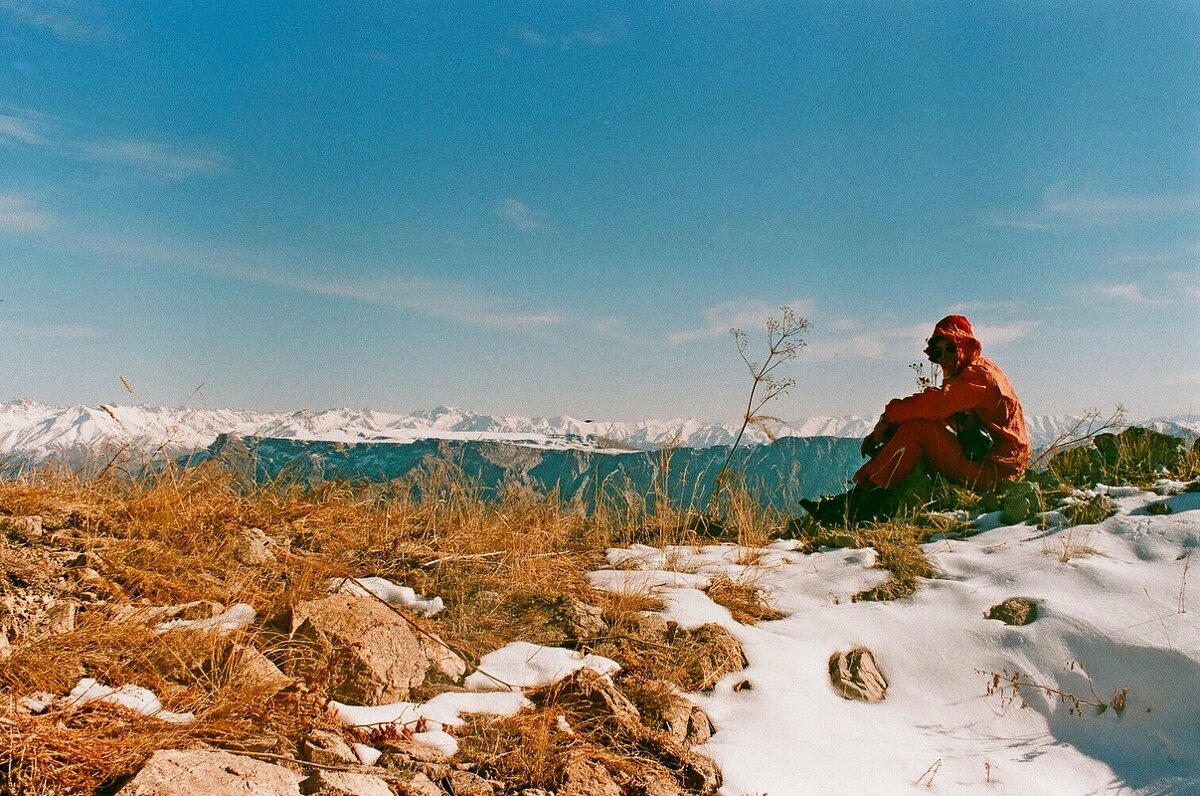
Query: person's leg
[[913, 442]]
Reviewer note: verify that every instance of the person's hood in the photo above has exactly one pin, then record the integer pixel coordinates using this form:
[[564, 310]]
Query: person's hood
[[966, 344]]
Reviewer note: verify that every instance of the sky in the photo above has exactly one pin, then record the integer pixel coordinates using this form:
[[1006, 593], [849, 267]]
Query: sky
[[562, 208]]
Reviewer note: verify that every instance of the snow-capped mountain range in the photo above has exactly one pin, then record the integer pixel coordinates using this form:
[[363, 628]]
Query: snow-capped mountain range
[[32, 432]]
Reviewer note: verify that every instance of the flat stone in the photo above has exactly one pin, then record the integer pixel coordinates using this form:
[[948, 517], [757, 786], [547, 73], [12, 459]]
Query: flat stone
[[328, 748], [371, 654], [583, 777], [205, 772], [855, 675], [253, 548], [345, 783]]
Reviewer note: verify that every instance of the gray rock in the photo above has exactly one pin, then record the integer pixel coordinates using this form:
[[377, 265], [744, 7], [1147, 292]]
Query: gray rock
[[328, 748], [26, 528], [464, 783], [583, 777], [345, 783], [205, 772], [417, 784], [371, 654], [253, 548], [856, 676], [249, 668], [583, 621], [61, 617], [686, 723]]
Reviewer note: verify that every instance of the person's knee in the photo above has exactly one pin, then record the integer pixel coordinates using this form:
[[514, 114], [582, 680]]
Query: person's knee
[[917, 429]]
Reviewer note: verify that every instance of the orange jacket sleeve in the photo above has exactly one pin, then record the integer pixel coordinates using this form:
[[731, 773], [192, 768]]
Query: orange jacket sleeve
[[968, 390]]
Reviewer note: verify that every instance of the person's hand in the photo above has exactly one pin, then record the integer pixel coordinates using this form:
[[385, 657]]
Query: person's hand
[[874, 442]]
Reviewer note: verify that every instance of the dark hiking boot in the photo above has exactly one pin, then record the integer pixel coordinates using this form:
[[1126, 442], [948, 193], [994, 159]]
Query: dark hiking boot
[[860, 504]]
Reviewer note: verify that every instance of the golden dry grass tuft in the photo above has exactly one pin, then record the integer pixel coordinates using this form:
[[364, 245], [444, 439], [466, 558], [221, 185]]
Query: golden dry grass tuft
[[746, 601]]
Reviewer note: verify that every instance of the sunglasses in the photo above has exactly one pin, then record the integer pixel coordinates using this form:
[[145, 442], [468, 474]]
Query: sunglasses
[[938, 349]]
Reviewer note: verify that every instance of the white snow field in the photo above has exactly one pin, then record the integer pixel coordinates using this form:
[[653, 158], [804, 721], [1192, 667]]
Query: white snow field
[[1117, 611]]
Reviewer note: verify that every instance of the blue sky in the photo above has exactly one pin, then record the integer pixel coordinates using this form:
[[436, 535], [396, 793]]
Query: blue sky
[[561, 208]]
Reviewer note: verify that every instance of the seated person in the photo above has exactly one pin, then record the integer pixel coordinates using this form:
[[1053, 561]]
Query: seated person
[[971, 430]]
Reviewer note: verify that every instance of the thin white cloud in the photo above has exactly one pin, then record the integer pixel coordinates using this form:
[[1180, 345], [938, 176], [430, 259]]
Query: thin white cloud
[[20, 129], [1000, 334], [745, 314], [883, 342], [17, 215], [166, 161], [47, 330], [965, 307], [521, 215], [605, 35], [1060, 208], [19, 126], [451, 300], [1125, 291], [68, 20], [859, 346]]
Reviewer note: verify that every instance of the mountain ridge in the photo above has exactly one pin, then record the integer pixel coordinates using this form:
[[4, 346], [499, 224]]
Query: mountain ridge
[[33, 432]]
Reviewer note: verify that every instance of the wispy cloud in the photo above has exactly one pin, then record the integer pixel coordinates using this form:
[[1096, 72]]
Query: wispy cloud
[[66, 19], [45, 330], [149, 156], [1060, 208], [24, 127], [19, 129], [18, 215], [747, 314], [1003, 333], [601, 35], [452, 300], [1125, 291], [867, 341], [521, 215]]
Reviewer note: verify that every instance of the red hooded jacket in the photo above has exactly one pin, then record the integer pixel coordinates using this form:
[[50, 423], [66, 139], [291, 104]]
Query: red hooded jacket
[[977, 385]]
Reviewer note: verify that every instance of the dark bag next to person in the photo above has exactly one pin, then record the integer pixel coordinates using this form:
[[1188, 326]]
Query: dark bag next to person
[[974, 438]]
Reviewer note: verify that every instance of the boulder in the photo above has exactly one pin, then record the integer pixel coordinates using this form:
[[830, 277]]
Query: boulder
[[249, 668], [416, 784], [207, 772], [584, 777], [253, 548], [855, 675], [1014, 611], [327, 748], [583, 621], [592, 697], [27, 529], [370, 654], [345, 783], [685, 722], [464, 783]]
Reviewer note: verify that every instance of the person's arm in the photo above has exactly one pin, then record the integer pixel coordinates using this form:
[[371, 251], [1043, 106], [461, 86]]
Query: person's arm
[[878, 437], [959, 394]]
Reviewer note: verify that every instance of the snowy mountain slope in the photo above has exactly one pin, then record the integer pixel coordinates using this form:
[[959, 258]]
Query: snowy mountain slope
[[33, 432], [1115, 617]]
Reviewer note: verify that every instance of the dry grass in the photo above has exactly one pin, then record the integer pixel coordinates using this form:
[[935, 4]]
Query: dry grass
[[744, 600], [500, 562]]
